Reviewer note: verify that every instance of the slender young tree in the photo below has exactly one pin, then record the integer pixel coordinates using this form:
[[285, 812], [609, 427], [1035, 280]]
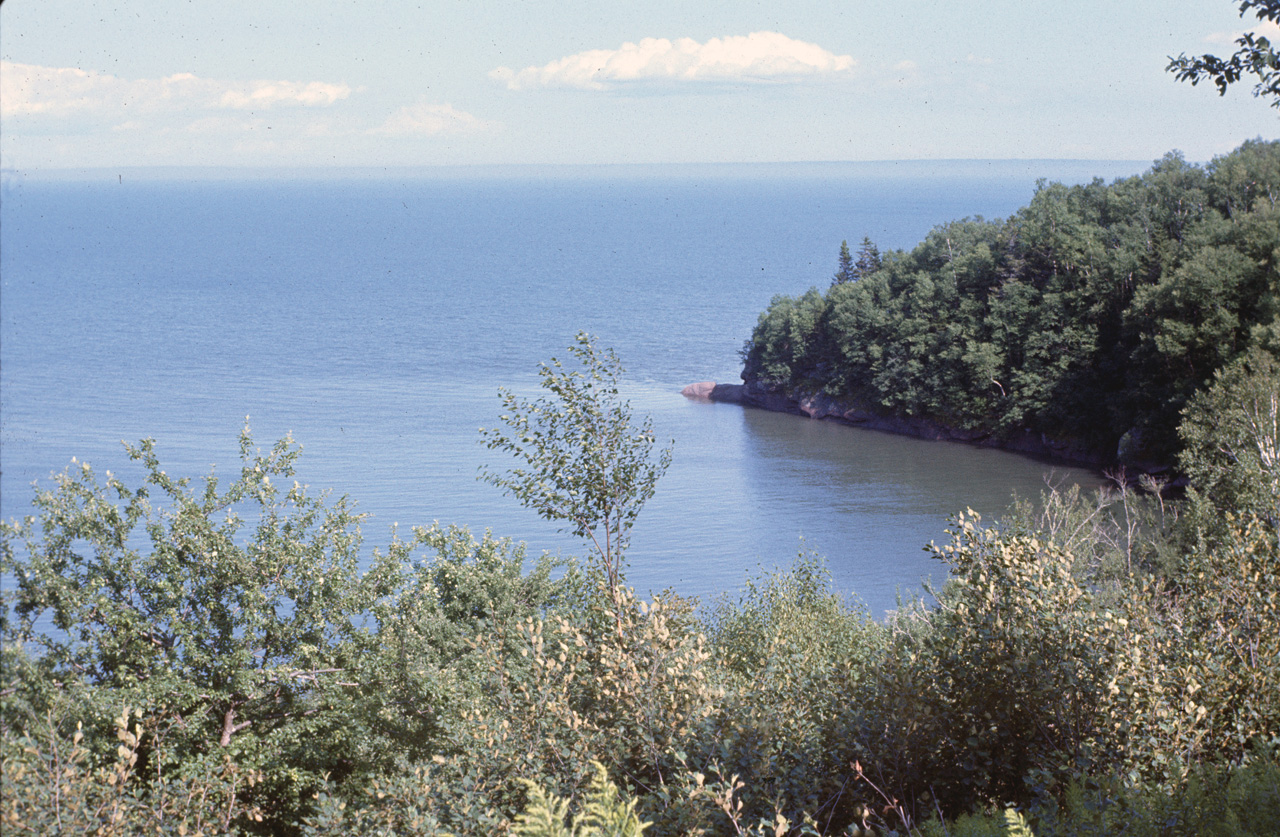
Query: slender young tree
[[583, 460]]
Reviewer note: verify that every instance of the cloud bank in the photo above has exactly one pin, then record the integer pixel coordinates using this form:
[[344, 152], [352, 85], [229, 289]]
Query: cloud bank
[[428, 120], [758, 57], [30, 89]]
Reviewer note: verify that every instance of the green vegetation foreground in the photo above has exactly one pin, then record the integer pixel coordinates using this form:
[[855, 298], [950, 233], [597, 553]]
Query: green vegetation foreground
[[220, 663]]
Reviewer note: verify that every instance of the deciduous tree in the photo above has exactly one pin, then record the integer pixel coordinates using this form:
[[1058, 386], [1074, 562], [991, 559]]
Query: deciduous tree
[[584, 461]]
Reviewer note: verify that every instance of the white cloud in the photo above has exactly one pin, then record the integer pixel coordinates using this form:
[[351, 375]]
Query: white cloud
[[760, 56], [30, 89], [905, 73], [262, 94], [425, 119], [1267, 28]]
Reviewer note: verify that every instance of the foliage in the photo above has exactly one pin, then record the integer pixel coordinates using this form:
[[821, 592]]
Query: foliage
[[793, 655], [393, 804], [604, 813], [1091, 317], [845, 271], [126, 617], [627, 688], [785, 341], [1235, 801], [236, 642], [1231, 438], [1255, 56], [1004, 679], [869, 260], [585, 462], [1096, 665], [1116, 533], [51, 783], [268, 647], [1007, 823], [1197, 673], [427, 618]]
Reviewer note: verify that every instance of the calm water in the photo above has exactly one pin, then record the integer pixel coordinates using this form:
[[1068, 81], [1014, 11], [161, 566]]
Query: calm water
[[376, 319]]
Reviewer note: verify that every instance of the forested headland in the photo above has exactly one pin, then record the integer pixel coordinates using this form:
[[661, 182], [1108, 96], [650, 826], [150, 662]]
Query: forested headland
[[1082, 326]]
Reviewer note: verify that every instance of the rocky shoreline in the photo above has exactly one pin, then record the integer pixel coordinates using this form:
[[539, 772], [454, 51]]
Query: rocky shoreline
[[820, 406]]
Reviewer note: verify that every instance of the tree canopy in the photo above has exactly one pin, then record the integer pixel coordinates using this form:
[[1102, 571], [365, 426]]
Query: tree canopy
[[1092, 316]]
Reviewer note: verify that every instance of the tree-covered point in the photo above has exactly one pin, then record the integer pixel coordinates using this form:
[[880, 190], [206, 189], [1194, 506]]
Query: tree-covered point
[[1093, 315]]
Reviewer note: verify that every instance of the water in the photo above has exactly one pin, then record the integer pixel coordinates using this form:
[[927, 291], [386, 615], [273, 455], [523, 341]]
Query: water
[[376, 319]]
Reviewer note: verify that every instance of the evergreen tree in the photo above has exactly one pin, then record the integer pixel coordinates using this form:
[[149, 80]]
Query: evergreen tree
[[847, 271], [868, 259]]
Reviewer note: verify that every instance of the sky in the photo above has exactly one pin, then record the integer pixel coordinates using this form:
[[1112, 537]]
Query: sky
[[314, 83]]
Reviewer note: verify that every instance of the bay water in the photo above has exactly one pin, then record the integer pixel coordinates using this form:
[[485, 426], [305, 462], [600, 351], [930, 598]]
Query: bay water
[[374, 315]]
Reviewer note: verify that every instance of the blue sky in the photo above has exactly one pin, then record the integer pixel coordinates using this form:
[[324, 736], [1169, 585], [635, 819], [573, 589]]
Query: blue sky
[[283, 83]]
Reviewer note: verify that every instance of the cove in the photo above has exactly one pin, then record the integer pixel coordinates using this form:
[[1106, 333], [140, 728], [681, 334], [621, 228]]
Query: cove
[[376, 320]]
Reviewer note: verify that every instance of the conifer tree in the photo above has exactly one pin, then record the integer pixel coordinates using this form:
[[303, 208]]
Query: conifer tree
[[846, 271], [868, 259]]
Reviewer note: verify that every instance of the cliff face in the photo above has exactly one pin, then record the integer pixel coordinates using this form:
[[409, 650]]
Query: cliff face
[[821, 406]]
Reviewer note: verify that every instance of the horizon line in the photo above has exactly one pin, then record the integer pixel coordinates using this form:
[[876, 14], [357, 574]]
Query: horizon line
[[13, 174]]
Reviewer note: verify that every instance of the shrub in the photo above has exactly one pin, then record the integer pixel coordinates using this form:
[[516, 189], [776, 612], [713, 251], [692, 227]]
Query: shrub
[[50, 783], [999, 683], [794, 658], [1197, 670], [555, 693]]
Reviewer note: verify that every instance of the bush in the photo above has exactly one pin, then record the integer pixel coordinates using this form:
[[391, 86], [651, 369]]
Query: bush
[[1213, 800], [1197, 668], [999, 683], [51, 783], [794, 658]]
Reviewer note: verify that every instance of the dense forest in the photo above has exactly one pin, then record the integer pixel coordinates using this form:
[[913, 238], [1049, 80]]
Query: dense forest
[[1088, 320]]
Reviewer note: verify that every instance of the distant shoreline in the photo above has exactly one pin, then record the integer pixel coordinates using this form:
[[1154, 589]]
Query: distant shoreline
[[1073, 170]]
